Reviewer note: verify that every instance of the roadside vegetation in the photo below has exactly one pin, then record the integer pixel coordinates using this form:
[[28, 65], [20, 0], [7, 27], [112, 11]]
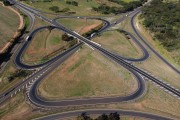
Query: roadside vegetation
[[162, 20], [12, 76], [66, 7], [86, 7], [111, 116], [125, 7]]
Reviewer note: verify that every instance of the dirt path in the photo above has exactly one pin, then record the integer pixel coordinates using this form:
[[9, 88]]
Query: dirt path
[[21, 24]]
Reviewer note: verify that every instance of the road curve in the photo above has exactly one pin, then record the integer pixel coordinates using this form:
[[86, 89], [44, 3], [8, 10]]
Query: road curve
[[18, 60], [42, 102], [66, 115]]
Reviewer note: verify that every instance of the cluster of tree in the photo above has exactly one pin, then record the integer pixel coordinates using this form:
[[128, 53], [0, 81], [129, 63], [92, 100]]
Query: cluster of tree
[[67, 38], [111, 116], [103, 8], [94, 30], [70, 2], [132, 3], [163, 19], [19, 74], [56, 9], [47, 0], [7, 3]]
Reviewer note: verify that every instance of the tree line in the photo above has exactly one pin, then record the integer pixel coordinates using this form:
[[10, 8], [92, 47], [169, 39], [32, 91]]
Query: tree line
[[163, 19], [111, 116], [18, 74], [70, 2], [105, 9]]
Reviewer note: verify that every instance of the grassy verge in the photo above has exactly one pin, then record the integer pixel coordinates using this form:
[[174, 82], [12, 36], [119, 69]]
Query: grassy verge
[[118, 43], [15, 108]]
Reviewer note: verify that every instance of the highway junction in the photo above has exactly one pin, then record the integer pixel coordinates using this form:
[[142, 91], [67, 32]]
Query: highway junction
[[41, 71]]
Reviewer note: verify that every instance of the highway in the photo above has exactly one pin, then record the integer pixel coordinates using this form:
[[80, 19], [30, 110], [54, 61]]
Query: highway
[[108, 54], [32, 82]]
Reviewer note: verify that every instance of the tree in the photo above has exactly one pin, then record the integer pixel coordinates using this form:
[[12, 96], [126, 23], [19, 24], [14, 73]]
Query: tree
[[103, 117], [54, 8], [162, 19], [65, 10], [114, 116], [84, 116], [65, 37]]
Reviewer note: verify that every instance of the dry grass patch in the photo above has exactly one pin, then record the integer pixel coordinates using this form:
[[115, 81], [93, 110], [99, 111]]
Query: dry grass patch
[[87, 74], [9, 22], [118, 43], [44, 46], [156, 101], [15, 108], [79, 25]]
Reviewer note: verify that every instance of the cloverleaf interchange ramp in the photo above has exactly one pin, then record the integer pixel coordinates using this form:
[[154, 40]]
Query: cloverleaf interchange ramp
[[52, 64]]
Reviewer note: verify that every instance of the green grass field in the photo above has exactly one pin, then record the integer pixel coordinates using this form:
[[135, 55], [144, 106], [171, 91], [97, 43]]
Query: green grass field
[[84, 7], [87, 74], [9, 23]]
